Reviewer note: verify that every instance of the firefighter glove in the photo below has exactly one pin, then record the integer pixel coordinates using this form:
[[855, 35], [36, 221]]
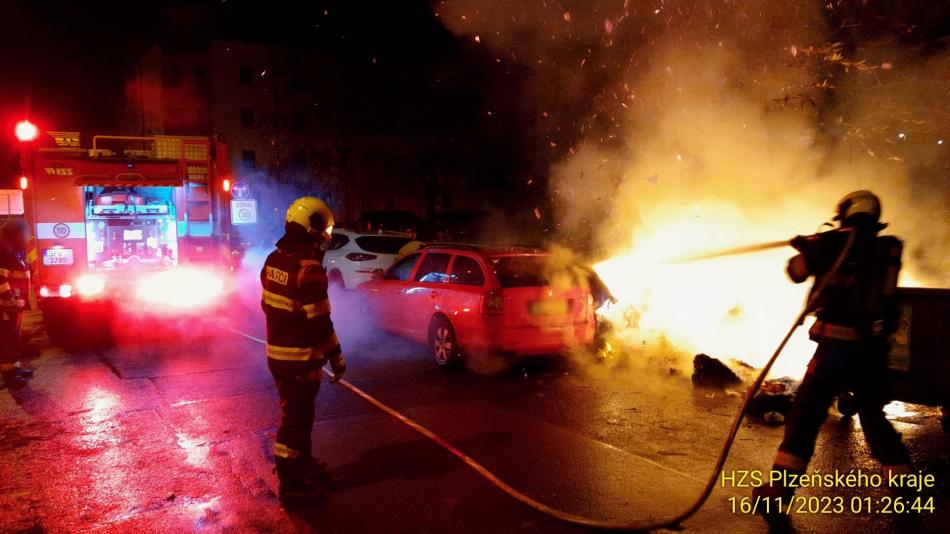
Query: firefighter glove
[[338, 364], [801, 243]]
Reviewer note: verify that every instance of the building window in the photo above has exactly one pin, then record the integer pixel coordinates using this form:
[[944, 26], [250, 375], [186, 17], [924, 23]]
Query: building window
[[202, 86], [247, 75], [203, 118], [249, 157], [172, 77], [174, 118], [247, 118]]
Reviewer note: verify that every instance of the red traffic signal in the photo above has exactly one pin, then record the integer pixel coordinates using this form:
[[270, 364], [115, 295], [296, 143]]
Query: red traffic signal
[[226, 185], [26, 131], [24, 182]]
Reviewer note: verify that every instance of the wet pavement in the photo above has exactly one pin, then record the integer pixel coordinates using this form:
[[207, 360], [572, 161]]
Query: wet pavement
[[171, 433]]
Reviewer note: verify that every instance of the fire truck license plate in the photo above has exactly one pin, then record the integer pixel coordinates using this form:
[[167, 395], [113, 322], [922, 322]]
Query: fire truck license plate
[[57, 256]]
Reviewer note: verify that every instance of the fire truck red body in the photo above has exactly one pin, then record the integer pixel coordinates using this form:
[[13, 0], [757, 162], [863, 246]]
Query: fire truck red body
[[134, 219]]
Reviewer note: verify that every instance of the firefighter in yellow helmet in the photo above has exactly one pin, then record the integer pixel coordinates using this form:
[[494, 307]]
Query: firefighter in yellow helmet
[[14, 300], [300, 341], [855, 314]]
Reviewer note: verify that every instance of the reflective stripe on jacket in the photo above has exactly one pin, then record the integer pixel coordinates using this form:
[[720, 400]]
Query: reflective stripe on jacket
[[297, 309], [824, 330]]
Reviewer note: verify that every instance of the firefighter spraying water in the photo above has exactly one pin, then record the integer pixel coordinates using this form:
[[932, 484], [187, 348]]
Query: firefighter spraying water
[[855, 300], [856, 312]]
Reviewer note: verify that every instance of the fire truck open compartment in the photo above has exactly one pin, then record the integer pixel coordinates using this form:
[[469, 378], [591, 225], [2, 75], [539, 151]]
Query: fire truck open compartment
[[130, 227]]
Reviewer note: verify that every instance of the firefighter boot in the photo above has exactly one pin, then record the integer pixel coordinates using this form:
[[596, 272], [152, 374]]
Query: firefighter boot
[[314, 470], [294, 489]]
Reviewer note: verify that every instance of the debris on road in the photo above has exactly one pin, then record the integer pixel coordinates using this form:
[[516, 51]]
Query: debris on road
[[773, 401], [710, 373]]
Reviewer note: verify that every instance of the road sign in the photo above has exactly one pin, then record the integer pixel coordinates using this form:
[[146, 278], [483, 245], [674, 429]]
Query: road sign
[[243, 212], [240, 191]]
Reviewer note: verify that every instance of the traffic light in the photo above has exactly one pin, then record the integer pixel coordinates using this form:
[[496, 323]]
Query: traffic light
[[24, 182], [26, 131], [226, 185]]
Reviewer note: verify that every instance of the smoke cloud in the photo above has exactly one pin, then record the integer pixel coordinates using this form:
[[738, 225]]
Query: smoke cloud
[[681, 127], [769, 108]]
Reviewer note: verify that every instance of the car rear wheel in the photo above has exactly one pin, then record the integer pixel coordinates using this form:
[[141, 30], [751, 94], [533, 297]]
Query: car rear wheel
[[443, 343], [335, 279]]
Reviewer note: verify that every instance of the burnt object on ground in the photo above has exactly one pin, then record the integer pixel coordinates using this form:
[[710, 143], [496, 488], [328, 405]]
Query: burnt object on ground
[[710, 373], [773, 401]]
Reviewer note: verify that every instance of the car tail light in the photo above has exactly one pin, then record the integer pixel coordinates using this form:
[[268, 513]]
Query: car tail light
[[494, 303], [44, 291], [357, 256]]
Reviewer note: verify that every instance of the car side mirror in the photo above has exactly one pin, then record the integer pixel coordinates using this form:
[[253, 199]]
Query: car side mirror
[[378, 274]]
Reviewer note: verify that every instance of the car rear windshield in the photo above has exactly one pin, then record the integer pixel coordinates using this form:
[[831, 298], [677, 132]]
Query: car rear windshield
[[382, 244], [520, 271]]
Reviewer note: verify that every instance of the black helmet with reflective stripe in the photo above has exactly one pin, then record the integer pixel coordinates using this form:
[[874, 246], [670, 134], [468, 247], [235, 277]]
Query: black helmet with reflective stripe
[[860, 208]]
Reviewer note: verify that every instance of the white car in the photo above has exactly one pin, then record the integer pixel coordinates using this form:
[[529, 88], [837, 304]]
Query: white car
[[352, 256]]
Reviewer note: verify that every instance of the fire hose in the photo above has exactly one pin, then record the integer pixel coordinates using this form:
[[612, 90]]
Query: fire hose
[[594, 523]]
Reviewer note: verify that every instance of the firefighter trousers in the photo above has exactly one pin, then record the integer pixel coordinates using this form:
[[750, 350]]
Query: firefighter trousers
[[837, 367], [297, 385], [10, 326]]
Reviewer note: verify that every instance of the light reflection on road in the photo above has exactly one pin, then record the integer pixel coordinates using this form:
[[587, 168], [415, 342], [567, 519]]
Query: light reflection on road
[[97, 422], [196, 449]]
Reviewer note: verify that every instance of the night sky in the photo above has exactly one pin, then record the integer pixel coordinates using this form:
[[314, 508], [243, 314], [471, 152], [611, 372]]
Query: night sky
[[63, 63]]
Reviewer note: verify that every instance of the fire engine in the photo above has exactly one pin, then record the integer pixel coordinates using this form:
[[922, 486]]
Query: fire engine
[[136, 220]]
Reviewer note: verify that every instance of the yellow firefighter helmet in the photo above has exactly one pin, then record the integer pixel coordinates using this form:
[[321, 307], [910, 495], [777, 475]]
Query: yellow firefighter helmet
[[862, 204], [313, 215]]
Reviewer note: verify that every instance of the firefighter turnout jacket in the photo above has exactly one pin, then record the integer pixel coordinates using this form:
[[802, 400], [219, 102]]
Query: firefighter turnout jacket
[[859, 303], [14, 282], [297, 309]]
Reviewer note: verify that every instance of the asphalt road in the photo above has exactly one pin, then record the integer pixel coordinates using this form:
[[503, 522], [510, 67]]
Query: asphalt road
[[167, 431]]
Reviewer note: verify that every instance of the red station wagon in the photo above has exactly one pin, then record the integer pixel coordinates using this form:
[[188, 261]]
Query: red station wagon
[[463, 299]]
